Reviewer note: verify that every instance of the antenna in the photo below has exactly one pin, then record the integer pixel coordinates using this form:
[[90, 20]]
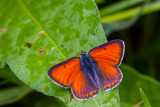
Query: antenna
[[69, 48], [89, 41], [85, 47]]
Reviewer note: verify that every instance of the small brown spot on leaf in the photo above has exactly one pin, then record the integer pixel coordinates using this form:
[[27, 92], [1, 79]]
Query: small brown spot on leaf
[[41, 51], [43, 89], [28, 44], [2, 31], [41, 32]]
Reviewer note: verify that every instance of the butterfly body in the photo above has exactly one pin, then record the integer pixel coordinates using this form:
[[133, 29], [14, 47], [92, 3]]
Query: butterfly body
[[89, 72], [87, 66]]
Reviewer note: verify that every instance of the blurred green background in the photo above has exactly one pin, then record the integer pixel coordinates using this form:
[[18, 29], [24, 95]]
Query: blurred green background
[[137, 23]]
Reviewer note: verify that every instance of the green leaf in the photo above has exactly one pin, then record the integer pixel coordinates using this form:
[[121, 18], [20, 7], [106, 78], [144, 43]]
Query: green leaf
[[3, 82], [36, 99], [13, 94], [2, 64], [121, 25], [34, 33], [99, 1], [144, 98], [118, 26], [9, 76], [129, 88]]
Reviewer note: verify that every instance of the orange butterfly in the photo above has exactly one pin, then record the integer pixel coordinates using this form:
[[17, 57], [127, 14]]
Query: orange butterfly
[[89, 72]]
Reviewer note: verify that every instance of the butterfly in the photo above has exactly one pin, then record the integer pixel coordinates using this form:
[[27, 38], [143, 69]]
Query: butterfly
[[89, 72]]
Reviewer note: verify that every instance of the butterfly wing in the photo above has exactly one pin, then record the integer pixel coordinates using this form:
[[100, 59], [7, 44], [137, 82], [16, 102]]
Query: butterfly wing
[[83, 87], [108, 76], [64, 73], [68, 74], [108, 57], [110, 53]]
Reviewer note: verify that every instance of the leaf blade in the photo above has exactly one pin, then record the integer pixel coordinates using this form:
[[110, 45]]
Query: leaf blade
[[13, 94], [72, 28], [144, 98]]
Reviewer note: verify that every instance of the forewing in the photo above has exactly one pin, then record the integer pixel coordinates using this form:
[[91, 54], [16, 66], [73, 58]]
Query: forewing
[[64, 73], [110, 53]]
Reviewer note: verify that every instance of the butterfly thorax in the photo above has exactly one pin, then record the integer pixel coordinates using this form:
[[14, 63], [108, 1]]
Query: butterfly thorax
[[85, 61]]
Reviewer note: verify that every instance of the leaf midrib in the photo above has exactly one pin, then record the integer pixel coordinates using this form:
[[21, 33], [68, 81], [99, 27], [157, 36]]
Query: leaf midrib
[[40, 26]]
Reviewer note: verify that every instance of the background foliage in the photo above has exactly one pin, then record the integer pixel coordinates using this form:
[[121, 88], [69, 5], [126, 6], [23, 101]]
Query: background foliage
[[31, 33]]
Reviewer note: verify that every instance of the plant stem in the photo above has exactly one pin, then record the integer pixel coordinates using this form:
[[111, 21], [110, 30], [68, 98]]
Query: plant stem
[[118, 6], [131, 12]]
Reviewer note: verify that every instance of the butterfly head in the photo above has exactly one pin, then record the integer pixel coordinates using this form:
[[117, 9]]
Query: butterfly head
[[82, 52]]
